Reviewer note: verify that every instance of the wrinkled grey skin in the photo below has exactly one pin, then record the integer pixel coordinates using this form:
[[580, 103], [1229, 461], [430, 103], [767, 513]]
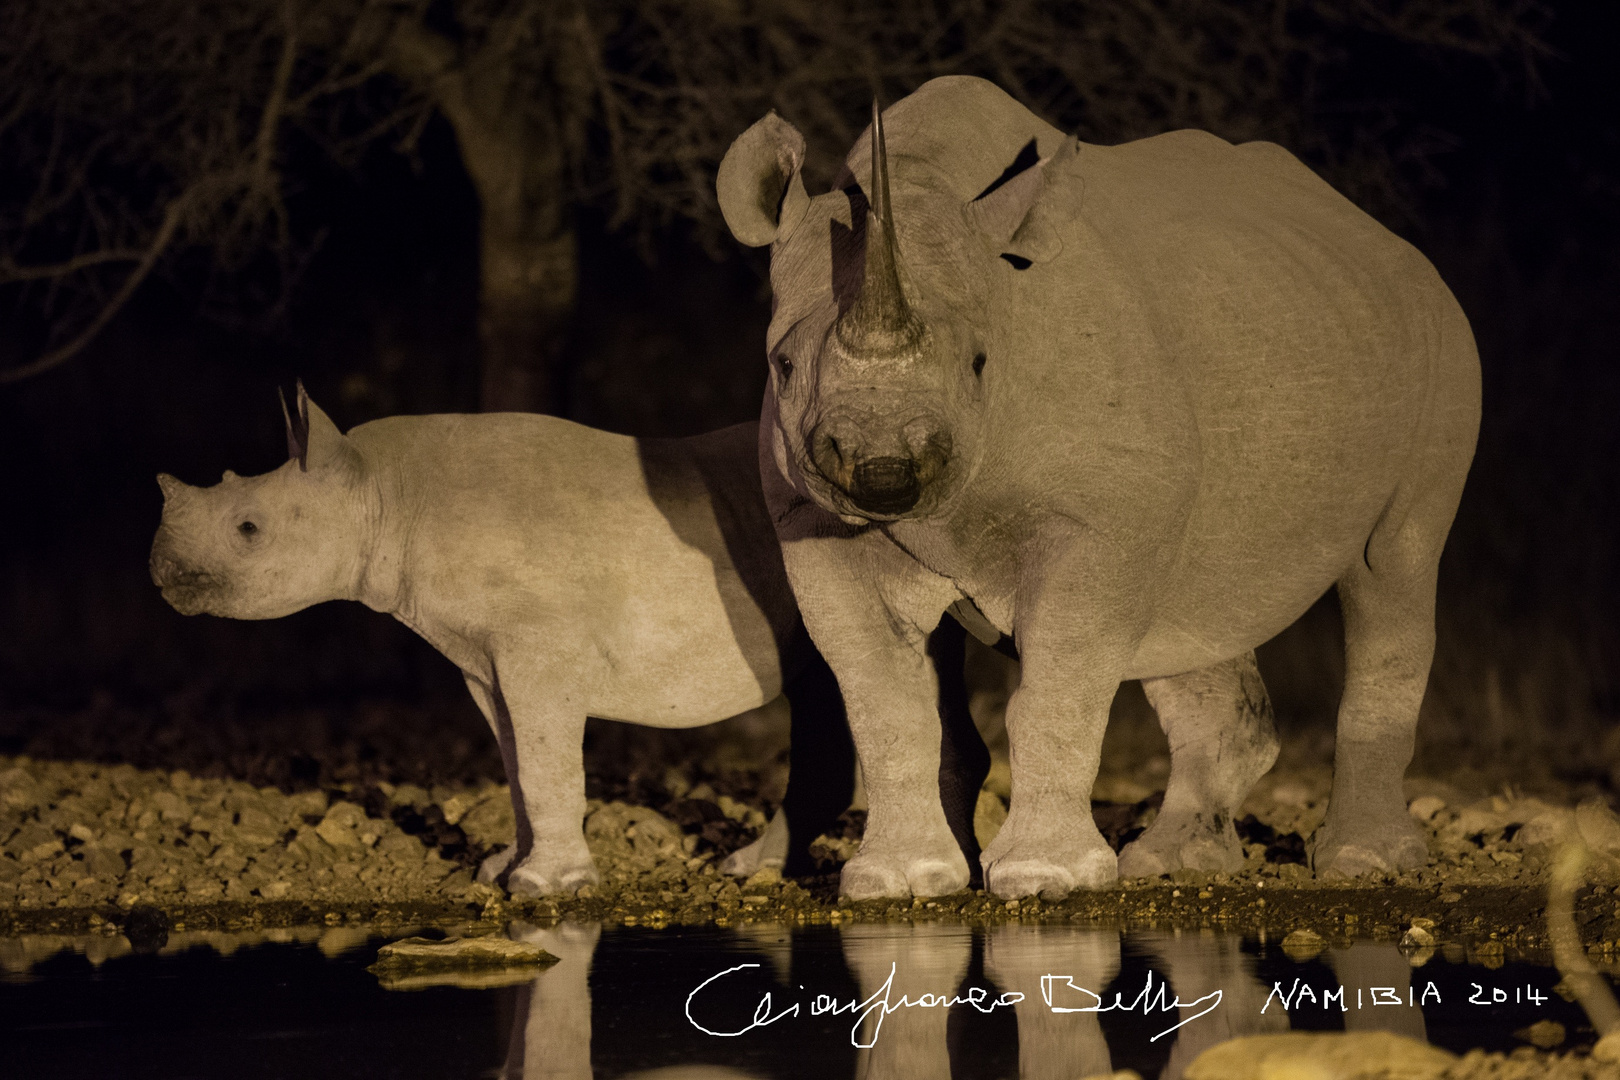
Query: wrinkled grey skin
[[567, 571], [1210, 389]]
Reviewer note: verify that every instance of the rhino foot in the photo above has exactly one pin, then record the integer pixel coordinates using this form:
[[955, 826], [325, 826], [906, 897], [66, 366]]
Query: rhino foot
[[495, 865], [1174, 842], [770, 850], [1013, 876], [1048, 851], [874, 875], [1362, 845], [534, 877]]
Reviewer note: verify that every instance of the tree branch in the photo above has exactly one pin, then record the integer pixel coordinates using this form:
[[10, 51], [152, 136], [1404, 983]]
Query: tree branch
[[172, 217]]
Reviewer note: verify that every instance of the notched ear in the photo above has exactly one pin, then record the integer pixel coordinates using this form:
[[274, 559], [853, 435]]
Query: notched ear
[[1022, 215], [760, 187], [324, 446]]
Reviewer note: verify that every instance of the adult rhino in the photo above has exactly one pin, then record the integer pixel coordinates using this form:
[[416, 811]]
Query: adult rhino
[[567, 572], [1137, 406]]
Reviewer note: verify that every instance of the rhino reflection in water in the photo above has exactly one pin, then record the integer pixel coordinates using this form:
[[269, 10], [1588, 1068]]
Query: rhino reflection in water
[[1200, 991], [1137, 406]]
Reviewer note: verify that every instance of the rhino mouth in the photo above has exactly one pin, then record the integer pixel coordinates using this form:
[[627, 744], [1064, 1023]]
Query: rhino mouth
[[188, 590], [882, 488]]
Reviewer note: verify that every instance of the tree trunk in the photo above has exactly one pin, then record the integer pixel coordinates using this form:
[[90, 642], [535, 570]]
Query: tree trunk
[[528, 282], [528, 253]]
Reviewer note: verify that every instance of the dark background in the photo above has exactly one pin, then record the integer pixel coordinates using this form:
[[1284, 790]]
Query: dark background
[[1522, 224]]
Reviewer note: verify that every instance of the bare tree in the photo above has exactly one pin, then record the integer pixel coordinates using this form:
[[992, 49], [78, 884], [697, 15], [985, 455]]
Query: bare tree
[[130, 131]]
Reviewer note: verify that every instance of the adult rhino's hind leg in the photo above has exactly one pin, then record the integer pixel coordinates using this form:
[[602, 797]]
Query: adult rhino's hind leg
[[1388, 605], [1387, 598], [1222, 739]]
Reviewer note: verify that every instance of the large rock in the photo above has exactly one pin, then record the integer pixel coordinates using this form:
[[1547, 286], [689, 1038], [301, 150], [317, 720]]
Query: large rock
[[1299, 1055]]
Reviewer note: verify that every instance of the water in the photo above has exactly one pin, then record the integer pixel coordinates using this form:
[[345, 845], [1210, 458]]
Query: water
[[630, 1002]]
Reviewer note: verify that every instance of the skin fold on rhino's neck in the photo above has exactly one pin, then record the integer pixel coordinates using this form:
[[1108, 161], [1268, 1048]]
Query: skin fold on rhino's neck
[[385, 509]]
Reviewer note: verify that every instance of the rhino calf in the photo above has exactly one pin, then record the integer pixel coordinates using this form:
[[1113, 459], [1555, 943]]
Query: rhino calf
[[567, 572]]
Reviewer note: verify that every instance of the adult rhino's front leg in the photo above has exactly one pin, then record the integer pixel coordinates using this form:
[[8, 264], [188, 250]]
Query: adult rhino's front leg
[[541, 734], [1077, 625], [866, 606]]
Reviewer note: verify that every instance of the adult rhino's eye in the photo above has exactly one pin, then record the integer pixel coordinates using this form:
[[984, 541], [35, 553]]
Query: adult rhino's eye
[[786, 364], [247, 528]]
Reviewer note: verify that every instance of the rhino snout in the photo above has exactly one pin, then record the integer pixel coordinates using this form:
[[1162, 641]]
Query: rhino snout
[[186, 588], [890, 482]]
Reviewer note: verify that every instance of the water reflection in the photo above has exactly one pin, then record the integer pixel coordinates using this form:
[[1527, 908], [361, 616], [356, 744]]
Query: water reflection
[[551, 1022], [866, 1002], [894, 964], [915, 1002], [1199, 965], [1055, 1045]]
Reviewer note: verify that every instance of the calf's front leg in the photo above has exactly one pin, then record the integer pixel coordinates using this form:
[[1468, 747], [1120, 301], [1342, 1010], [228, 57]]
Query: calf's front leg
[[541, 730]]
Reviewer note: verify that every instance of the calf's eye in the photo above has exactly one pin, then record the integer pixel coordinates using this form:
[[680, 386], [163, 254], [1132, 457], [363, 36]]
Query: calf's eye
[[247, 528]]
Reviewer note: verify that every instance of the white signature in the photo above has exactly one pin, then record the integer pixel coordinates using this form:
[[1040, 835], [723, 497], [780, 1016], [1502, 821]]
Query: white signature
[[880, 1004]]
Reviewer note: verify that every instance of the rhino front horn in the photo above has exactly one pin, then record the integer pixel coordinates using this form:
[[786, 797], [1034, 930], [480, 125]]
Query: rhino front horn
[[880, 322]]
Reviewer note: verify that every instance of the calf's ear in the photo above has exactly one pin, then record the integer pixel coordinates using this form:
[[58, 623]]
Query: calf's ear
[[760, 186], [297, 427], [315, 441], [1022, 215]]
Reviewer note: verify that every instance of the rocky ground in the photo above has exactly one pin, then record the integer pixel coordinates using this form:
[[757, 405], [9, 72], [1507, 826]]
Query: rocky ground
[[121, 829], [81, 839]]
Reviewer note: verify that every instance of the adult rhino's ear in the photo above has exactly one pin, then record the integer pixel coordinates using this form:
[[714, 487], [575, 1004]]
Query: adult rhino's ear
[[1023, 213], [760, 186], [315, 441]]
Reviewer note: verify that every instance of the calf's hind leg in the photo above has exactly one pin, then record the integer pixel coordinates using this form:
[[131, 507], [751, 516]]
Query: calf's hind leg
[[496, 864], [1222, 739]]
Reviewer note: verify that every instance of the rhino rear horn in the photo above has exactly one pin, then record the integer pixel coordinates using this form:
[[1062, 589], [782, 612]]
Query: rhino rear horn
[[297, 429], [760, 185]]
